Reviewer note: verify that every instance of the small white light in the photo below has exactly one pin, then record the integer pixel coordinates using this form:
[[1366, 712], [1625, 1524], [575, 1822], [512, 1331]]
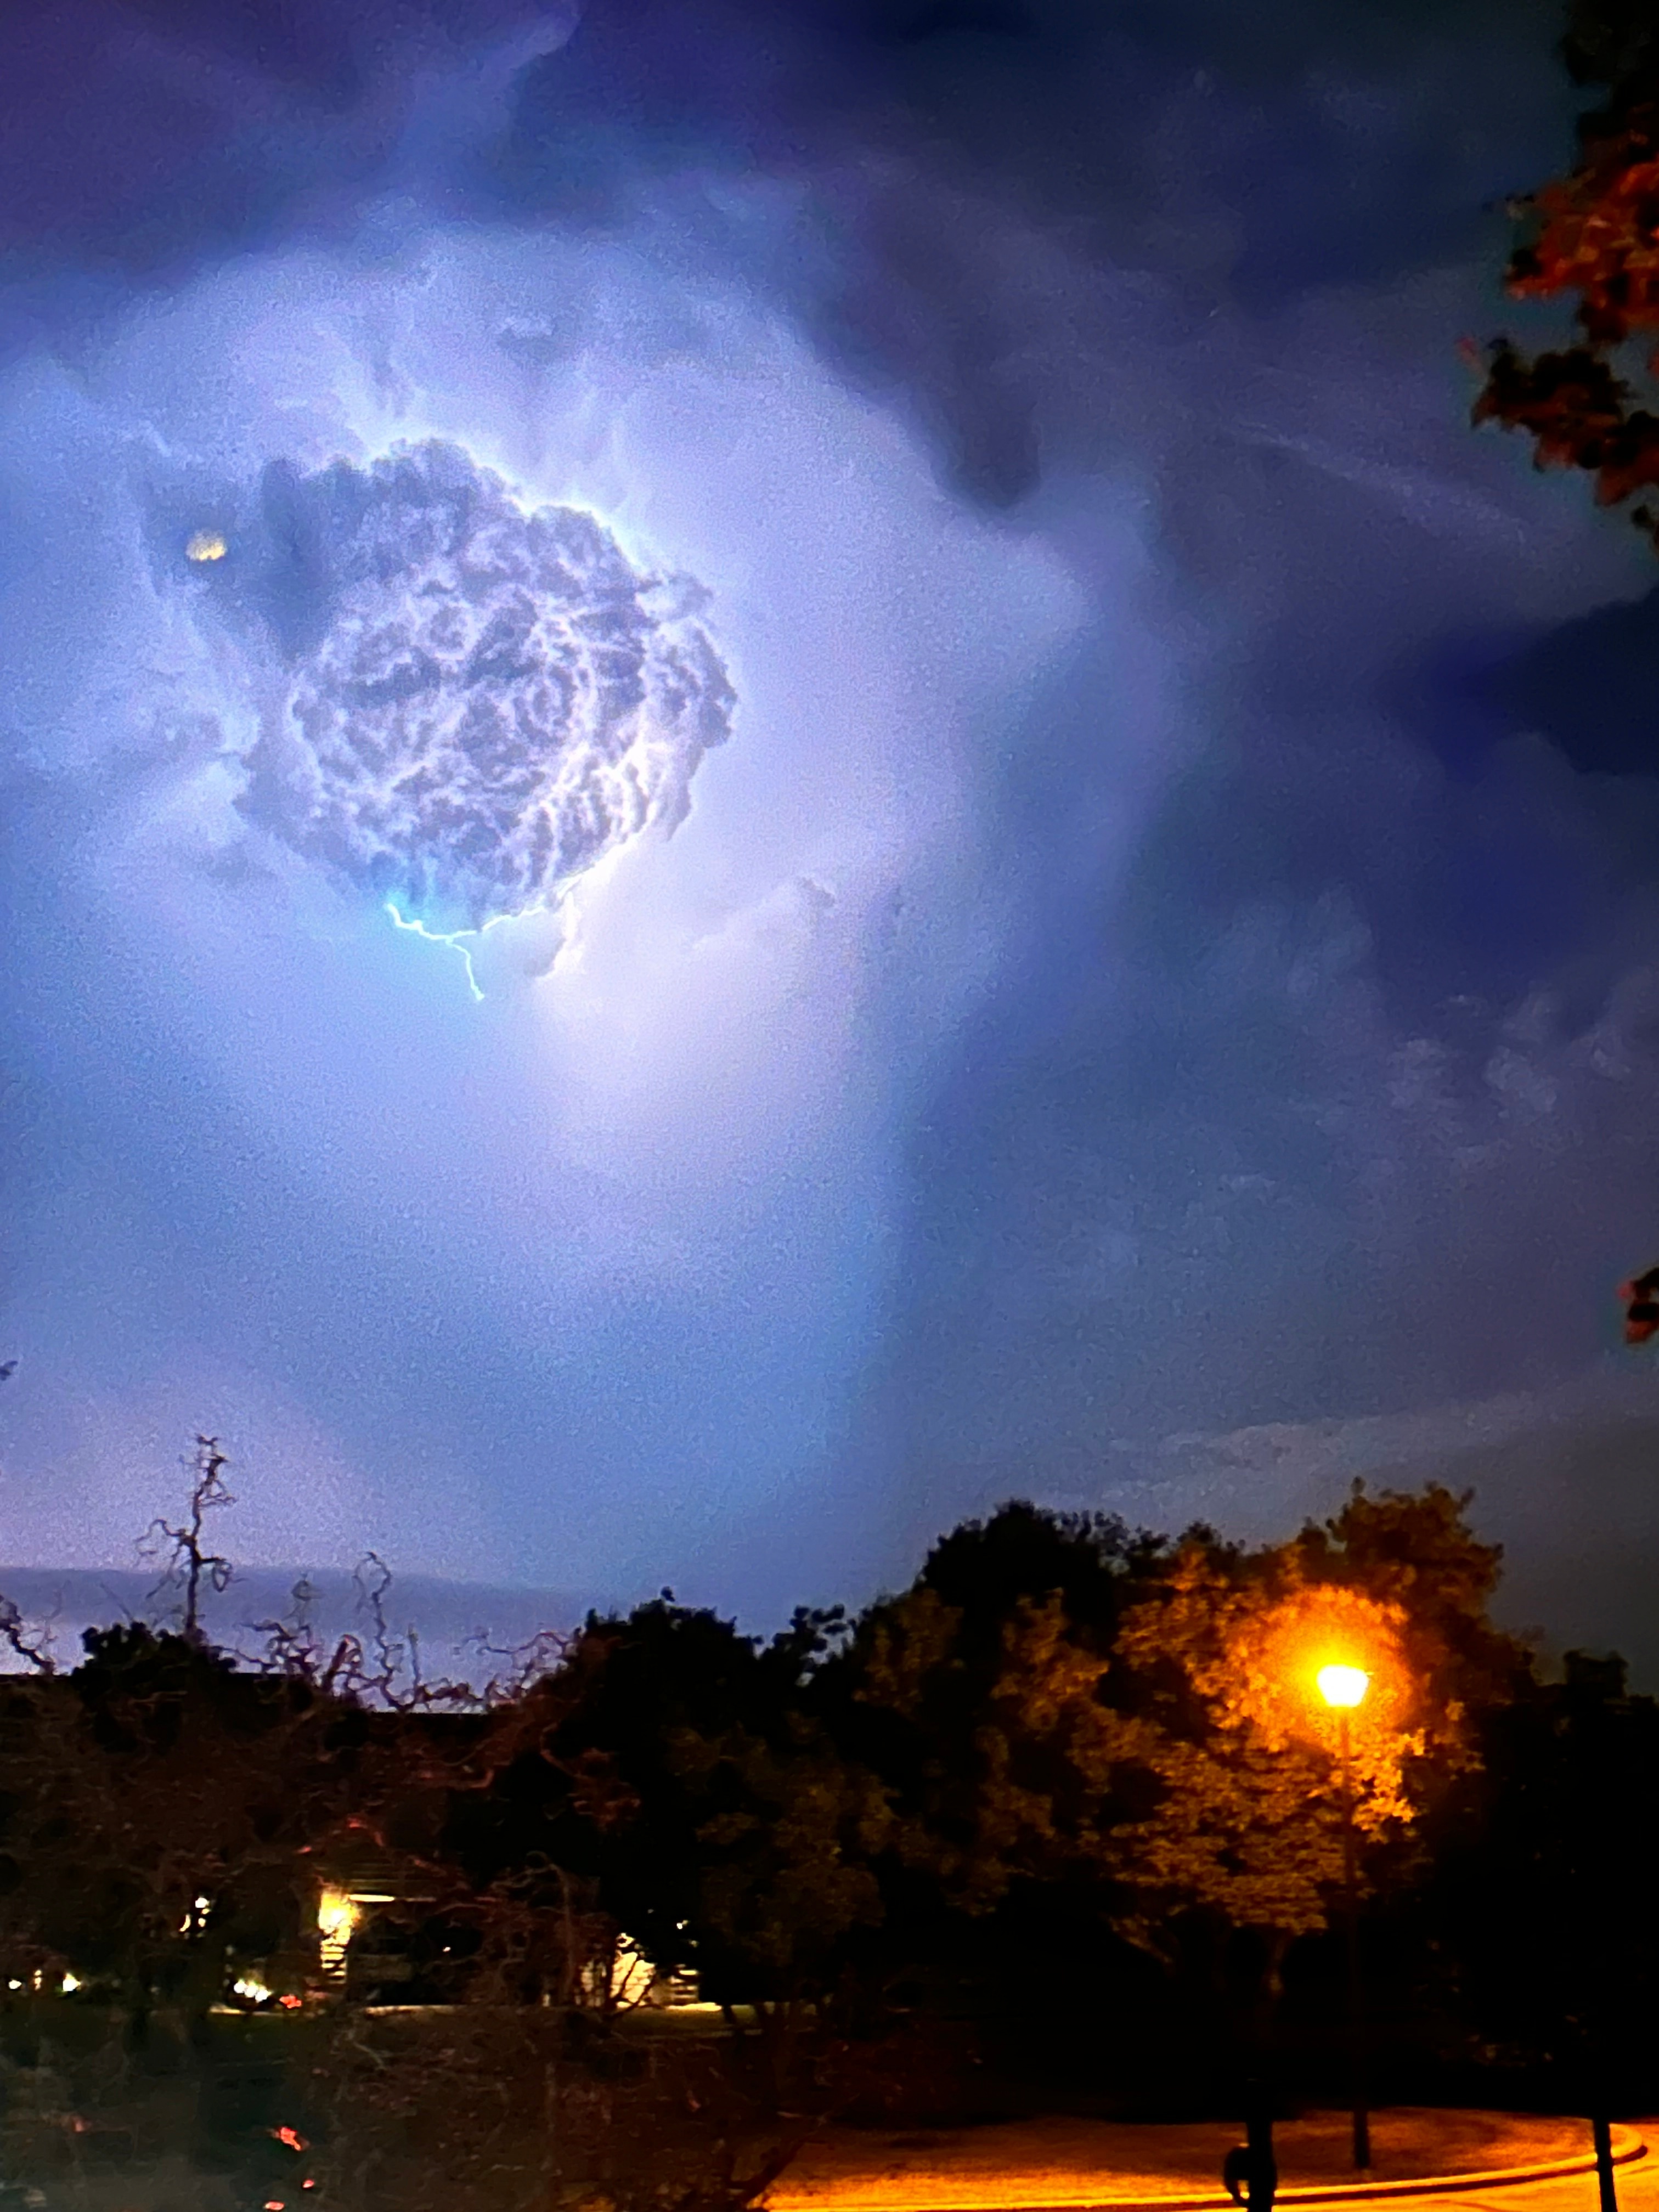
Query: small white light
[[1343, 1687]]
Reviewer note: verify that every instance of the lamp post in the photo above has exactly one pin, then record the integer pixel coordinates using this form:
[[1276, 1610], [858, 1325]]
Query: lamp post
[[1343, 1688]]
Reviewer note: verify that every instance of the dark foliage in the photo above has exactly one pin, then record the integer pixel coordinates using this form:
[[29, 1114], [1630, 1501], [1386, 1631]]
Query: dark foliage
[[1062, 1818]]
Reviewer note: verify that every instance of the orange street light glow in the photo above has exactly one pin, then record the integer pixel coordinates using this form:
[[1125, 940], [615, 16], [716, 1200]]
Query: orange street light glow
[[1343, 1687]]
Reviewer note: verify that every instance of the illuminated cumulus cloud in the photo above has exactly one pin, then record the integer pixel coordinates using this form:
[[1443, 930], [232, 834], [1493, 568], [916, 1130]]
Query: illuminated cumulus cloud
[[490, 698]]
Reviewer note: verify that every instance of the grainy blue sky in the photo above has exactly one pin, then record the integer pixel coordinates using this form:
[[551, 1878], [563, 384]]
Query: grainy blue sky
[[1152, 1000]]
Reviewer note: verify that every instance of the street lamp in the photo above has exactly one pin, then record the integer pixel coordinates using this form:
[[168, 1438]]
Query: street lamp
[[1343, 1688]]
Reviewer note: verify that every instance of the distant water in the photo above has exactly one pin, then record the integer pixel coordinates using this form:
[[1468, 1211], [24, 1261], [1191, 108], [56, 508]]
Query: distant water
[[467, 1631]]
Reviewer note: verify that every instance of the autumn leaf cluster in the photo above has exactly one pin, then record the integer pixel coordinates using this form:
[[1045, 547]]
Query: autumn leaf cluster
[[1591, 237]]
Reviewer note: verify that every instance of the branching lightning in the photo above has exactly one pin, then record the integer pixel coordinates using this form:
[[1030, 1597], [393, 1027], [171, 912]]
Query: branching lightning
[[452, 939]]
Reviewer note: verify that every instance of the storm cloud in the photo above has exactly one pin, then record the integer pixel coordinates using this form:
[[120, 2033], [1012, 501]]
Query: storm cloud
[[496, 700]]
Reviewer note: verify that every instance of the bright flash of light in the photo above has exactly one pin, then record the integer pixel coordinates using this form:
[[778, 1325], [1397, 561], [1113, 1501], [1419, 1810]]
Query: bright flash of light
[[1343, 1687], [206, 545], [498, 700], [70, 1983]]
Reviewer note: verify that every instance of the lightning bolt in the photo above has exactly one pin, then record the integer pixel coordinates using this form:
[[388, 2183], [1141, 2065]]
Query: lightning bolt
[[452, 939]]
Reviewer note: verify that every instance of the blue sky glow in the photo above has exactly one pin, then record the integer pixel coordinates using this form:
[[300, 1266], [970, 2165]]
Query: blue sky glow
[[1149, 1003]]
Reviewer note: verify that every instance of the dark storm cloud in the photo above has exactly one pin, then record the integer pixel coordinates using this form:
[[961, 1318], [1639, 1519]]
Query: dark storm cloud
[[1586, 684], [144, 139], [1308, 147], [1244, 159]]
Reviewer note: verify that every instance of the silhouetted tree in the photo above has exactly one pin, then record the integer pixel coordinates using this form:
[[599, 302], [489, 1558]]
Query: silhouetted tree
[[674, 1763], [187, 1562], [160, 1808], [1537, 1893]]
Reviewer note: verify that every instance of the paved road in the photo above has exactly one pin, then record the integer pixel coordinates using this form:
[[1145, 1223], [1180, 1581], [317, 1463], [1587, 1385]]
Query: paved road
[[1070, 2161], [1638, 2186]]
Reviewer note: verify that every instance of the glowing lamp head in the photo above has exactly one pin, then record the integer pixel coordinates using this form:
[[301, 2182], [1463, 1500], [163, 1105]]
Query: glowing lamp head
[[1345, 1687]]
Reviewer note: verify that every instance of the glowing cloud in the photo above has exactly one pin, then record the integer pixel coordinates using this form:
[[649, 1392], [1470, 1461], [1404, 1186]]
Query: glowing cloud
[[495, 699]]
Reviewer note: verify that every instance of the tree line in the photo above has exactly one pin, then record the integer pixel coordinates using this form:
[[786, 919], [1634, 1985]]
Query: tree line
[[1063, 1819]]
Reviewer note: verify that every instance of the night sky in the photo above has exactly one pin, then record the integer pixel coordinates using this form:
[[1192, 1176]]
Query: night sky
[[1072, 859]]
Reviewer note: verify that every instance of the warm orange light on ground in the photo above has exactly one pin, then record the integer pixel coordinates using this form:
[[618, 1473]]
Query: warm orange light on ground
[[1343, 1687]]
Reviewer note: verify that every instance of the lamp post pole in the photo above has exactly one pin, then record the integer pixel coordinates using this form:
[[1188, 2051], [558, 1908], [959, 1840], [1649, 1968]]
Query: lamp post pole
[[1362, 2118], [1343, 1688], [1601, 2137]]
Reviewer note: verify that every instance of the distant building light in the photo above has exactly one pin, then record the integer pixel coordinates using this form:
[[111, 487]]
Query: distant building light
[[337, 1916]]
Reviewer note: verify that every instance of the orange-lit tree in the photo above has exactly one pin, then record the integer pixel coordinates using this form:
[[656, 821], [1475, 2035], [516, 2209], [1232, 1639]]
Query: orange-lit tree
[[1230, 1719], [1220, 1663], [1180, 1752], [1591, 239]]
